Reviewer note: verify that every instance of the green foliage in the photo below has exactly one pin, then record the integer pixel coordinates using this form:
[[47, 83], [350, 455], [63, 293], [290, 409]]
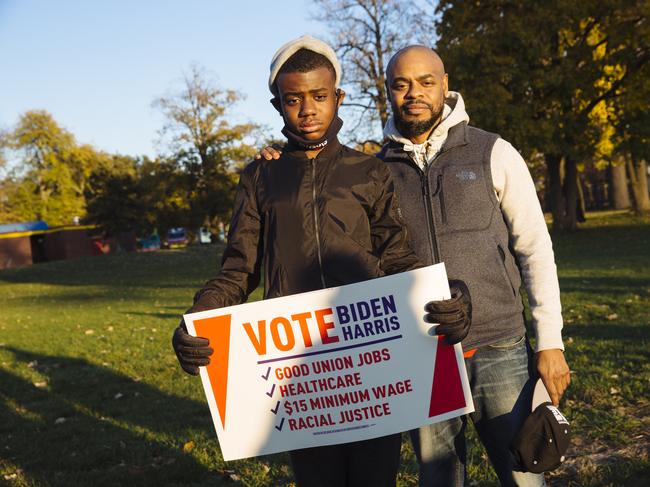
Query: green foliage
[[140, 195], [113, 198], [536, 71], [51, 181], [50, 187]]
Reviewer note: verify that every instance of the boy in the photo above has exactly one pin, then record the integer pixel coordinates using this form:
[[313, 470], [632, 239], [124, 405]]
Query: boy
[[322, 215]]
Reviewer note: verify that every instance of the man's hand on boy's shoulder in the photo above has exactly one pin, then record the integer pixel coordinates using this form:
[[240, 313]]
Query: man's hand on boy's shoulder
[[269, 152], [191, 352]]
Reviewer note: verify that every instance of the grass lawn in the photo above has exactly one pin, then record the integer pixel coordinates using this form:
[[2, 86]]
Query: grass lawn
[[91, 393]]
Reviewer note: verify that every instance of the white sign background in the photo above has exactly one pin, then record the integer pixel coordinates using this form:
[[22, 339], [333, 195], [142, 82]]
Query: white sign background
[[253, 417]]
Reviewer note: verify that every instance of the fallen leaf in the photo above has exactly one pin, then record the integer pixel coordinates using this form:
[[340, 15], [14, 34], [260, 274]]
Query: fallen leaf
[[59, 420], [118, 395], [32, 364], [40, 385], [110, 328], [612, 317], [613, 391], [89, 332]]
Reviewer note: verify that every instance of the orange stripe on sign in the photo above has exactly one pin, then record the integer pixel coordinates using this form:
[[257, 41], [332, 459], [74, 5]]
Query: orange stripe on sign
[[447, 389], [217, 330]]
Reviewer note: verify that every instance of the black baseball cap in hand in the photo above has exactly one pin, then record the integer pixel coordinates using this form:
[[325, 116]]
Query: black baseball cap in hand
[[544, 437]]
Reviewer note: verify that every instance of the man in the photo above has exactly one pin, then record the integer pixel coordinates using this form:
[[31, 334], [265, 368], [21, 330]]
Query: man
[[468, 200], [322, 215]]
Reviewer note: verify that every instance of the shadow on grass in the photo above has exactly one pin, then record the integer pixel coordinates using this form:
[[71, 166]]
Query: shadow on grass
[[93, 427]]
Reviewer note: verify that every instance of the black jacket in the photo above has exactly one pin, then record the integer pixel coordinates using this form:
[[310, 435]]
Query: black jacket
[[312, 224]]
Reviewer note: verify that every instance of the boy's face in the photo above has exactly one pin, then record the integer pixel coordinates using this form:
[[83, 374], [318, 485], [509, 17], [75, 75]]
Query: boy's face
[[308, 101]]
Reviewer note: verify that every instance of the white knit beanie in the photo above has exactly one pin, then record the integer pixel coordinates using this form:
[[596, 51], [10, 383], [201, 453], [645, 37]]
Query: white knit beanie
[[305, 42]]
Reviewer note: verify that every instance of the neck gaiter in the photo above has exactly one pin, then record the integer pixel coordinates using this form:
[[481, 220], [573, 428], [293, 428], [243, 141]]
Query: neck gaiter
[[305, 144]]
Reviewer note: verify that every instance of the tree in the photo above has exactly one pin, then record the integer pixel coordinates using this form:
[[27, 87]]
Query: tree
[[138, 195], [633, 130], [205, 142], [535, 71], [114, 198], [365, 34], [44, 187]]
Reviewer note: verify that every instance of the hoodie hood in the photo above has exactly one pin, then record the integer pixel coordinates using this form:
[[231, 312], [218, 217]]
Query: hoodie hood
[[453, 114]]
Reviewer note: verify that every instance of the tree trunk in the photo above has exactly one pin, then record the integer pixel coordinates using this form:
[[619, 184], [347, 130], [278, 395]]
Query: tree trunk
[[581, 215], [619, 193], [570, 190], [637, 170], [563, 191], [555, 199]]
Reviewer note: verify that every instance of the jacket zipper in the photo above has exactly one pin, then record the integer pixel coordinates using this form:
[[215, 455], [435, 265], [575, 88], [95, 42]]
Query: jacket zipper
[[315, 213]]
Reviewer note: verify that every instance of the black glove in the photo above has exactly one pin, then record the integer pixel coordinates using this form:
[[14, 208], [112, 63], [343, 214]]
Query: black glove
[[454, 315], [192, 352]]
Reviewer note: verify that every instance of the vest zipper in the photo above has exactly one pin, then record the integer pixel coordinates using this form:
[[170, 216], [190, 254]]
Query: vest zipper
[[315, 213], [426, 194]]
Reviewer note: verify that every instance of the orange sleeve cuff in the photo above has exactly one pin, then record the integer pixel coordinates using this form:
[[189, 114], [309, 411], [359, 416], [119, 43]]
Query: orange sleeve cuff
[[469, 353]]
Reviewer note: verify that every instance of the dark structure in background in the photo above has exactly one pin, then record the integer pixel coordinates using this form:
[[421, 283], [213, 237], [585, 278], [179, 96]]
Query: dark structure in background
[[28, 243]]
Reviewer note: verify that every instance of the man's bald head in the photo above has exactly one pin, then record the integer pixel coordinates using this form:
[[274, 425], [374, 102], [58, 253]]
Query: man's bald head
[[423, 54], [417, 85]]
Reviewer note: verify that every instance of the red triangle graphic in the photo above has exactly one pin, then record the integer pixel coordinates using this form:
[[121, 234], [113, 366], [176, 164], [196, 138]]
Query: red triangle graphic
[[217, 330], [447, 389]]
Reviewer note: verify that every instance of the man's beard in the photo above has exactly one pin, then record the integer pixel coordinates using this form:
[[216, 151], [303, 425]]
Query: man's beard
[[414, 128]]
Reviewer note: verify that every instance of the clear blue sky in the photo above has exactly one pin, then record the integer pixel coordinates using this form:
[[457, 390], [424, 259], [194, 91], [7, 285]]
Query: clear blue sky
[[96, 66]]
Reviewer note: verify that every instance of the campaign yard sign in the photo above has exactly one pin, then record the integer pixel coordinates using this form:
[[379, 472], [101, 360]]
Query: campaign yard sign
[[330, 366]]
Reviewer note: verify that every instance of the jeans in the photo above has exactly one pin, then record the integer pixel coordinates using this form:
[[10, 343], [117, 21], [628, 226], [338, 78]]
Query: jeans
[[501, 378]]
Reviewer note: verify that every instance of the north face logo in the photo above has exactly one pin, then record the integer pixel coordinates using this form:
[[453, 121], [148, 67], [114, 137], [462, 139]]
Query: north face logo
[[466, 175]]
